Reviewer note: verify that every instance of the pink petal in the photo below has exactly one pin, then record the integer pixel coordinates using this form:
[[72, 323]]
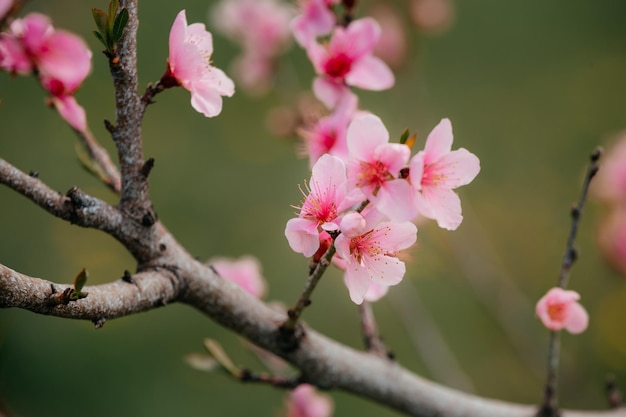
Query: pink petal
[[395, 199], [64, 59], [370, 73], [394, 156], [5, 6], [578, 319], [245, 272], [71, 111], [330, 92], [457, 168], [13, 56], [375, 292], [353, 224], [439, 141], [302, 236], [178, 32], [365, 134], [198, 35], [316, 20], [361, 36], [357, 280], [443, 205], [385, 270]]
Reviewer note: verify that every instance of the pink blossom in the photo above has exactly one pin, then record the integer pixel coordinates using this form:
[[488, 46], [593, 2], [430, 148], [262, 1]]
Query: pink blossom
[[316, 19], [436, 171], [304, 401], [347, 58], [245, 272], [370, 254], [560, 309], [329, 134], [612, 239], [432, 16], [393, 45], [62, 59], [261, 27], [13, 56], [375, 165], [327, 197], [189, 65], [70, 111], [610, 182]]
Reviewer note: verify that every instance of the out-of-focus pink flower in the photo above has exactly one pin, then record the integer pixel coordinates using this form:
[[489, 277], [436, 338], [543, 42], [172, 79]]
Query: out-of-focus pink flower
[[348, 57], [612, 238], [315, 19], [329, 133], [62, 59], [374, 167], [261, 27], [559, 309], [610, 182], [71, 111], [370, 254], [436, 171], [392, 46], [305, 401], [327, 198], [432, 16], [189, 65], [245, 272], [5, 6], [13, 56]]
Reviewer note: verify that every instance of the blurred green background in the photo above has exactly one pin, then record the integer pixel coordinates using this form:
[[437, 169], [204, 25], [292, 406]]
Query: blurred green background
[[531, 88]]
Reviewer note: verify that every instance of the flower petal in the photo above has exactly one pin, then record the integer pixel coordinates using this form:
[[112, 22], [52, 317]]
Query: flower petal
[[365, 133], [370, 73]]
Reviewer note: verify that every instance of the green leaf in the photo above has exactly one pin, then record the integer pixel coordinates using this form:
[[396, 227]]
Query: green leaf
[[80, 280], [113, 6], [119, 25], [100, 38], [404, 136], [100, 17]]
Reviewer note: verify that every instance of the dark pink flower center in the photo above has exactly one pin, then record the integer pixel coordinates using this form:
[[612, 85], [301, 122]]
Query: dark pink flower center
[[319, 209], [338, 65], [557, 312], [373, 174]]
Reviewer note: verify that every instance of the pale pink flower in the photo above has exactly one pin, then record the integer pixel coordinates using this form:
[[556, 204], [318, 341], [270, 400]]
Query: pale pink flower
[[612, 239], [189, 65], [13, 55], [64, 62], [245, 272], [374, 167], [62, 59], [370, 254], [436, 171], [70, 111], [316, 19], [305, 401], [610, 182], [327, 198], [329, 134], [261, 27], [559, 309], [393, 45], [432, 16], [347, 58]]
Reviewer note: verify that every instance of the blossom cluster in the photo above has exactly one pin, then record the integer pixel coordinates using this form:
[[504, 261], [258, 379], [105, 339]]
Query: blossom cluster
[[365, 192], [60, 59], [261, 28]]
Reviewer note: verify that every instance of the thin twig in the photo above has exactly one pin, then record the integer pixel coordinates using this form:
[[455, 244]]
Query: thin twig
[[371, 338], [101, 161], [305, 298], [549, 406]]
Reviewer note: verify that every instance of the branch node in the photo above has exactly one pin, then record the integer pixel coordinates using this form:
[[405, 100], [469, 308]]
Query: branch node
[[289, 338], [33, 174], [148, 219], [110, 127], [127, 277], [147, 167], [98, 323]]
